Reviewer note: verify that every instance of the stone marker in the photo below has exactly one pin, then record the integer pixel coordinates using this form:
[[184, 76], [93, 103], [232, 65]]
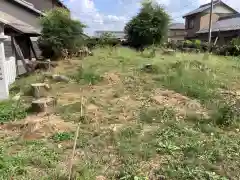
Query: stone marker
[[44, 104], [39, 90]]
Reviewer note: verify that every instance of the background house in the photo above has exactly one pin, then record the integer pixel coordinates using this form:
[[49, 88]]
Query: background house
[[223, 31], [199, 18], [20, 19], [176, 32]]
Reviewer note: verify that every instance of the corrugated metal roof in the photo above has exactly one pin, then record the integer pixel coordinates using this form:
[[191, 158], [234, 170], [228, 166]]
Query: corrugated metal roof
[[226, 24], [207, 6], [177, 26], [17, 24]]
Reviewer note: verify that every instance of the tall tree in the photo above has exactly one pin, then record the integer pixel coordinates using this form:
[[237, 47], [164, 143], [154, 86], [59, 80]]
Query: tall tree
[[149, 26]]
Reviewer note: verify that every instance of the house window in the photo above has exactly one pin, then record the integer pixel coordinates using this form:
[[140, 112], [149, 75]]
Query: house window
[[190, 24]]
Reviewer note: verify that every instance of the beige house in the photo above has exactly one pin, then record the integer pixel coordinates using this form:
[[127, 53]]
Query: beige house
[[198, 19], [176, 32]]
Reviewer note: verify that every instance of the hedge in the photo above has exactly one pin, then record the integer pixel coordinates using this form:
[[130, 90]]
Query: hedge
[[198, 46]]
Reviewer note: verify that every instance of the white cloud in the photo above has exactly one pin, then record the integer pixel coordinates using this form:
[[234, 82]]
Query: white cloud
[[88, 13], [164, 2]]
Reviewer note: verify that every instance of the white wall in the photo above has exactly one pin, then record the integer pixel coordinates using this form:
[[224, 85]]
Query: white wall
[[10, 70], [221, 9], [4, 91]]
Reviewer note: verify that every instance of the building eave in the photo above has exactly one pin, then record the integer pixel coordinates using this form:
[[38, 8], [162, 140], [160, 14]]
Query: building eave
[[198, 10]]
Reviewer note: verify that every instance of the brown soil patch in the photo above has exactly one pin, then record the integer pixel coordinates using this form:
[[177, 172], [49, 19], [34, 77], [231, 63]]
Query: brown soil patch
[[124, 108], [67, 66], [112, 78], [37, 127], [92, 107], [69, 98], [101, 178], [95, 114], [182, 104]]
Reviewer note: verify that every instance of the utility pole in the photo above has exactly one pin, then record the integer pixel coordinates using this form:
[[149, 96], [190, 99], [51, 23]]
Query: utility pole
[[210, 24]]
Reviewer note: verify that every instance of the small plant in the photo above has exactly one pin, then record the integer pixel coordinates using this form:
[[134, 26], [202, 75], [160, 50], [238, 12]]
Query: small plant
[[156, 115], [10, 110], [87, 76], [236, 41], [150, 68], [65, 136], [149, 54], [226, 114]]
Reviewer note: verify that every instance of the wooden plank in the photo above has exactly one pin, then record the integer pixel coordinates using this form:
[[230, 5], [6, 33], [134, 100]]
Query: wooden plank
[[215, 42], [32, 48], [20, 54]]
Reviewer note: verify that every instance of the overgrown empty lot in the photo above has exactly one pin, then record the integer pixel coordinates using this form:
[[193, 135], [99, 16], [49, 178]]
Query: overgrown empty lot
[[162, 117]]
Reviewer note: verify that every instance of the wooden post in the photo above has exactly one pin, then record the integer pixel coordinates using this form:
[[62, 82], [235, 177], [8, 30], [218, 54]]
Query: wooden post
[[20, 54]]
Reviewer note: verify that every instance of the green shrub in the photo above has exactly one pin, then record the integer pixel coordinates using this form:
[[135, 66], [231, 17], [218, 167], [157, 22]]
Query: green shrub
[[235, 41], [60, 32], [149, 27], [87, 76], [197, 44], [11, 110], [226, 114], [92, 42]]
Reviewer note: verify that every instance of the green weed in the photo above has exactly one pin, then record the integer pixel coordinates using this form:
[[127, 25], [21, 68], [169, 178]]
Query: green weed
[[11, 110], [151, 115], [192, 82], [34, 154], [226, 114], [87, 77], [65, 136]]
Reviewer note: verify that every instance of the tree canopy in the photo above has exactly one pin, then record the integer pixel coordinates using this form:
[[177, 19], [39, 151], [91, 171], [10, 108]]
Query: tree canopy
[[60, 31], [149, 26]]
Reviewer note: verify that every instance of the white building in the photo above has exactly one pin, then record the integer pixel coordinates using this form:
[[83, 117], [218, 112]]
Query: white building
[[117, 34]]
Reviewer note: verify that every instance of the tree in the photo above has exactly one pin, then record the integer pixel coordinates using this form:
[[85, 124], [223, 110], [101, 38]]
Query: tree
[[60, 32], [149, 26]]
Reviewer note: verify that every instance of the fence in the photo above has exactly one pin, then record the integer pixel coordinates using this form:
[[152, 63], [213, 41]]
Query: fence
[[10, 70]]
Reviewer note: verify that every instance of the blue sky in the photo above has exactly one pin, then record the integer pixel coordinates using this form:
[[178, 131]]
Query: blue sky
[[113, 14]]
